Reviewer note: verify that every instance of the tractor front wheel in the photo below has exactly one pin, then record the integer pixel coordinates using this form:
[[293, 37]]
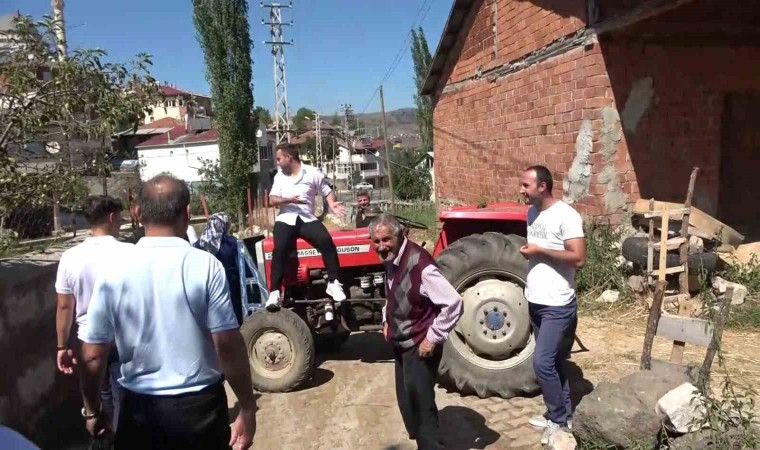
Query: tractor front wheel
[[280, 350], [490, 352]]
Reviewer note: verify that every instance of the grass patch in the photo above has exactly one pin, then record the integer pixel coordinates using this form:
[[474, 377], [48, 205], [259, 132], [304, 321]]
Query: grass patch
[[603, 270], [747, 315]]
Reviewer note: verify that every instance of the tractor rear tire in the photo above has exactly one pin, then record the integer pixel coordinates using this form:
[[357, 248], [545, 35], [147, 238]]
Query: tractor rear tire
[[489, 264], [280, 350]]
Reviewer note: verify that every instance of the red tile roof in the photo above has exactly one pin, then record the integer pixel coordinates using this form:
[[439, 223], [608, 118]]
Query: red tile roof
[[171, 91], [161, 123], [180, 136]]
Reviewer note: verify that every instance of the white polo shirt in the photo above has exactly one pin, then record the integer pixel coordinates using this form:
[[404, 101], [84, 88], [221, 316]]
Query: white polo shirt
[[161, 303], [80, 266], [307, 184]]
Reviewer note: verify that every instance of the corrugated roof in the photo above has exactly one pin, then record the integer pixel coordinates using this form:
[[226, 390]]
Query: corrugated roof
[[180, 136]]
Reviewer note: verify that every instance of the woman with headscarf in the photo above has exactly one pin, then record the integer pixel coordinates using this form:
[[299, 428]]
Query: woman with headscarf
[[217, 241]]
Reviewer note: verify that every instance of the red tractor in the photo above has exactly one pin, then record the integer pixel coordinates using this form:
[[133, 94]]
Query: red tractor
[[489, 352]]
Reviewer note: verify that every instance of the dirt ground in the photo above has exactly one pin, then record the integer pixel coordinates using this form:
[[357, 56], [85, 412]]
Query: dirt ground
[[351, 404]]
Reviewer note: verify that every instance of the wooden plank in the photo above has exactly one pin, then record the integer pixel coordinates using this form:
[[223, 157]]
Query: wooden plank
[[650, 250], [720, 324], [676, 354], [676, 298], [641, 11], [669, 270], [697, 219], [672, 243], [676, 212], [654, 317], [685, 329], [662, 268]]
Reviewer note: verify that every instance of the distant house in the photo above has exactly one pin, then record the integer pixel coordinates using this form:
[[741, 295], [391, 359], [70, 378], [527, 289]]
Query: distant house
[[179, 151], [367, 161], [426, 162], [176, 105]]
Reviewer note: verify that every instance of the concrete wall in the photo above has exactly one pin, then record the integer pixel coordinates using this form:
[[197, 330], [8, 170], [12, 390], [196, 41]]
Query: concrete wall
[[180, 161], [35, 399]]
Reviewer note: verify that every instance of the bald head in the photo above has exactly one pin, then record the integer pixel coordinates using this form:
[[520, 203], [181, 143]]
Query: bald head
[[164, 201]]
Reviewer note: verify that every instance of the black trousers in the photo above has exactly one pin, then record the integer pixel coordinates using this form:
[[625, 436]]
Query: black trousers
[[195, 420], [415, 393], [285, 237]]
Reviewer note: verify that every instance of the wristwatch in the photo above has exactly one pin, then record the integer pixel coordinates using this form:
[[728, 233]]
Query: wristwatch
[[92, 416]]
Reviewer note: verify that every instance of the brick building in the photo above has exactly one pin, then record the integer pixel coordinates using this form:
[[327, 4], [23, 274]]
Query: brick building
[[619, 98]]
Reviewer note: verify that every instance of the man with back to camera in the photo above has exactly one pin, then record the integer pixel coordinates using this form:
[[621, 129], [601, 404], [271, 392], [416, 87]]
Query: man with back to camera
[[78, 269], [294, 191], [167, 306], [556, 248]]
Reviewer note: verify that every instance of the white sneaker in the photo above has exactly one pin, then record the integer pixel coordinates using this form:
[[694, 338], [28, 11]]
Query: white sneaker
[[273, 302], [329, 313], [551, 428], [541, 421], [335, 290]]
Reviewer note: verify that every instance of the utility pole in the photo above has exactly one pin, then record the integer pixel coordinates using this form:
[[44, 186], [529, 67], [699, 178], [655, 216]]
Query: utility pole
[[348, 112], [387, 152], [60, 37], [281, 113], [319, 141]]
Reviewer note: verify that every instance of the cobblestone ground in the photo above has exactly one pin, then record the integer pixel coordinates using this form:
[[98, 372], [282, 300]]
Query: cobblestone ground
[[351, 405]]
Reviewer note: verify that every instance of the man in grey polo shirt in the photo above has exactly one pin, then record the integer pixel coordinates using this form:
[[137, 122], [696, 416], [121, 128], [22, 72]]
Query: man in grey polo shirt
[[168, 307]]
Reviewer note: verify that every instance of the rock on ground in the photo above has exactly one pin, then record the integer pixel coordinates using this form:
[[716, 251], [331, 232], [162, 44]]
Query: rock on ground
[[623, 414], [745, 252], [683, 409], [720, 286], [734, 439], [561, 440], [637, 283], [608, 296]]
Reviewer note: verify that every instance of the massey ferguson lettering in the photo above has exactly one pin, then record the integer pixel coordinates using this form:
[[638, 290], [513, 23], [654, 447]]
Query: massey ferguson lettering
[[309, 252]]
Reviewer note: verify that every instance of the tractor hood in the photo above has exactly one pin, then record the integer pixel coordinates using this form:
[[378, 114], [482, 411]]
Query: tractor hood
[[508, 211], [354, 249]]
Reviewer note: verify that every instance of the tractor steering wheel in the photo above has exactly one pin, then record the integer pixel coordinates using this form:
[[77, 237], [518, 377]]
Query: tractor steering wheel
[[410, 223]]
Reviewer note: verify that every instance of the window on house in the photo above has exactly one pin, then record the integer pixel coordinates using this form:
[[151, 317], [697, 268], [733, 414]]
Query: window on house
[[369, 166], [171, 103], [265, 152]]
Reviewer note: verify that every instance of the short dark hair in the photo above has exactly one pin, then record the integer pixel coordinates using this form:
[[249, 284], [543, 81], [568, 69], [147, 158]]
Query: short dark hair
[[543, 176], [99, 207], [290, 149], [163, 199], [362, 193]]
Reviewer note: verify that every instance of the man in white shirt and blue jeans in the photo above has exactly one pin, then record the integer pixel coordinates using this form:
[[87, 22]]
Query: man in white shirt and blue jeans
[[556, 248], [294, 191]]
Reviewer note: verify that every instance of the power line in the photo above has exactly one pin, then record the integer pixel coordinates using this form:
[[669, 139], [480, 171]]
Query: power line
[[404, 47]]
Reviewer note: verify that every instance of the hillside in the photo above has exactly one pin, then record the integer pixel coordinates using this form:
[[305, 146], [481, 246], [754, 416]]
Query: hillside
[[400, 121]]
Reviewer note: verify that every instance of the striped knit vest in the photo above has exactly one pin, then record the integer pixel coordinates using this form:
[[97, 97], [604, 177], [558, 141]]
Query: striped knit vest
[[409, 314]]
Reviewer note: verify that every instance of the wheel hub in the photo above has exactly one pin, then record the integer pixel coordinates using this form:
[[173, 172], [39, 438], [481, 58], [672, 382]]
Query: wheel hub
[[272, 352], [495, 320]]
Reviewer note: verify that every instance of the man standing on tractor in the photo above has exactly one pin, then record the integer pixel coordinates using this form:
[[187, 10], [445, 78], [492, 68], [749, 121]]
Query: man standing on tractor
[[421, 310], [295, 188], [556, 248]]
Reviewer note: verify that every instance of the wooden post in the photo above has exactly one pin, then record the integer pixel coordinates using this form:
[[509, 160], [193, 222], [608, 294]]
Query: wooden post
[[650, 245], [56, 213], [663, 267], [720, 324], [654, 317], [203, 204], [250, 210], [676, 354]]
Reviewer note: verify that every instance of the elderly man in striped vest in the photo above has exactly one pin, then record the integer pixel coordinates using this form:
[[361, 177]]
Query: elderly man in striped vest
[[421, 310]]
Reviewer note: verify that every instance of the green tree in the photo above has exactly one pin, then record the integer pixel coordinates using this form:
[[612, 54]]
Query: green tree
[[55, 127], [336, 120], [409, 181], [301, 116], [223, 33], [422, 59], [263, 115]]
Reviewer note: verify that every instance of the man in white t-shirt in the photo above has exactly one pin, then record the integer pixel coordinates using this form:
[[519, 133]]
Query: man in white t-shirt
[[78, 270], [295, 188], [556, 248]]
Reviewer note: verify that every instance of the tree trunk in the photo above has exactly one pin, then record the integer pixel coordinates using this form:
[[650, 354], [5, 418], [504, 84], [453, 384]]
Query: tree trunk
[[60, 28]]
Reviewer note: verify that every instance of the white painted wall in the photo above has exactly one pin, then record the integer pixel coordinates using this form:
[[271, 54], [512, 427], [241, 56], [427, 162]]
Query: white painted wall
[[181, 161]]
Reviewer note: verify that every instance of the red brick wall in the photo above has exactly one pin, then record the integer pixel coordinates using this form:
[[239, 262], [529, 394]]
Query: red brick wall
[[521, 27], [487, 133]]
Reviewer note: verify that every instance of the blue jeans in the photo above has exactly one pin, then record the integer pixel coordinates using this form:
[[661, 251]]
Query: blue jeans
[[553, 329]]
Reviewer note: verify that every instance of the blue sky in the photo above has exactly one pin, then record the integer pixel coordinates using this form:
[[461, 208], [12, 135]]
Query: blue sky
[[342, 50]]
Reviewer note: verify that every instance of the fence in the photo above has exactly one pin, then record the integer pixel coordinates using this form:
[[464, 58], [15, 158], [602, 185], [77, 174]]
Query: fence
[[26, 227]]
